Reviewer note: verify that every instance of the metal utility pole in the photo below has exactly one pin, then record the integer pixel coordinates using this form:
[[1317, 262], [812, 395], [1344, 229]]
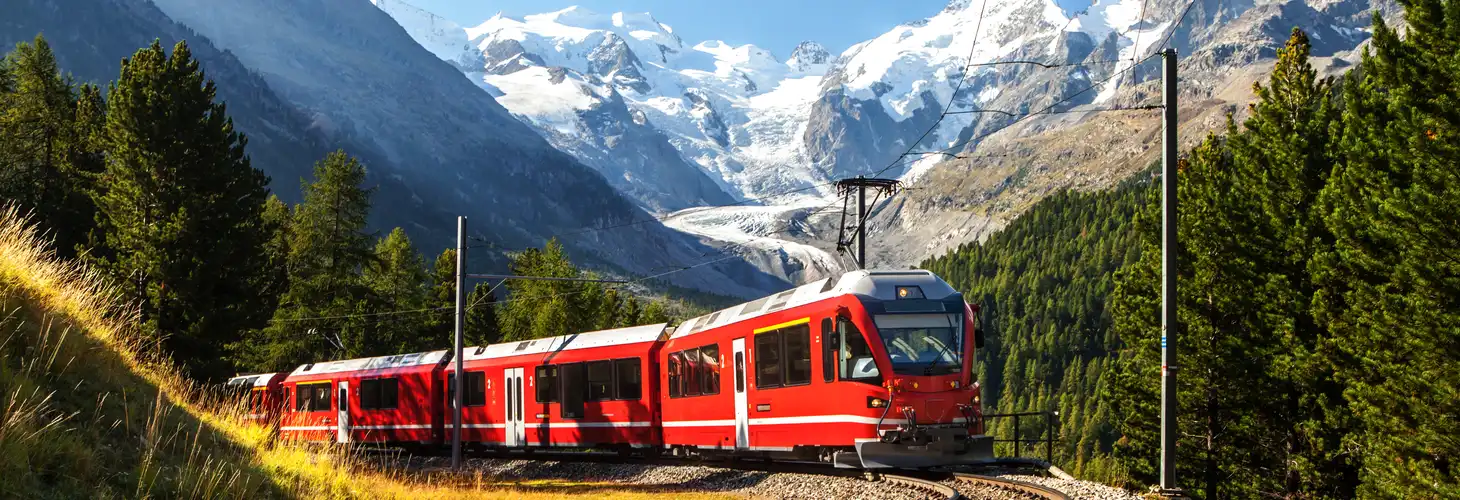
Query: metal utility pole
[[861, 224], [844, 187], [456, 349], [1169, 250]]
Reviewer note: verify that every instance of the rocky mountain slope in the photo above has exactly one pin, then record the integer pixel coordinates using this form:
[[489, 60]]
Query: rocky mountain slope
[[765, 128], [302, 78]]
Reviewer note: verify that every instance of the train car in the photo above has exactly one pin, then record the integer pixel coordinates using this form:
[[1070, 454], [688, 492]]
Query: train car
[[866, 370], [583, 390], [265, 396], [395, 399]]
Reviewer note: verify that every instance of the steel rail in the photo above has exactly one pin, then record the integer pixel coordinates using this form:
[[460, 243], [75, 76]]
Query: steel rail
[[923, 485], [1011, 484]]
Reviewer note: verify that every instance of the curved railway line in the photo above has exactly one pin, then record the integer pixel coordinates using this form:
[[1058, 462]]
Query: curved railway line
[[921, 484]]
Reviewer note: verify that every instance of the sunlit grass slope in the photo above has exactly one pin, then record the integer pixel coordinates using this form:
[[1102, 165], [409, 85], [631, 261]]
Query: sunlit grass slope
[[90, 409]]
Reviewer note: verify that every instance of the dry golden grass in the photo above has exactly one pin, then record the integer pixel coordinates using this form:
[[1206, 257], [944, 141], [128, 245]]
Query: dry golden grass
[[88, 407]]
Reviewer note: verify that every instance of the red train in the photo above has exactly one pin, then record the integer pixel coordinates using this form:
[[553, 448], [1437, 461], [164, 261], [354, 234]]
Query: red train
[[867, 370]]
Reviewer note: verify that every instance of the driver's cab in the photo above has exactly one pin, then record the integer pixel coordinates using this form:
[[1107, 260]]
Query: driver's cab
[[913, 335]]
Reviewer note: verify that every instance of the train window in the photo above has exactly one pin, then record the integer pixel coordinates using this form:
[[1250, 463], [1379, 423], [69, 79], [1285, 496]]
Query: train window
[[710, 369], [301, 398], [853, 347], [323, 395], [692, 370], [573, 382], [379, 394], [451, 390], [768, 360], [475, 392], [476, 389], [828, 351], [547, 384], [600, 380], [797, 354], [739, 372], [676, 370], [627, 375], [389, 394], [369, 394]]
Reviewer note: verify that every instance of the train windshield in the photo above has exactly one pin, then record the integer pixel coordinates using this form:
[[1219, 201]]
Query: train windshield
[[922, 344]]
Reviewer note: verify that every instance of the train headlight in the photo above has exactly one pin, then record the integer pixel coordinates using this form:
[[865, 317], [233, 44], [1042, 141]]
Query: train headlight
[[876, 402]]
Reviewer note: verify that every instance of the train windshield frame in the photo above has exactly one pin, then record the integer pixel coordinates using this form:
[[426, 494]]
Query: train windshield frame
[[922, 344]]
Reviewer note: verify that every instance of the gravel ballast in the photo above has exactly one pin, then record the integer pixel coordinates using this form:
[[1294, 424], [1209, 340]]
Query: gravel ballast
[[1076, 488], [749, 483]]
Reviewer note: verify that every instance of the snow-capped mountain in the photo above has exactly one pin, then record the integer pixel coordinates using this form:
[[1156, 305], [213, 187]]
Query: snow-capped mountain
[[760, 126], [437, 145]]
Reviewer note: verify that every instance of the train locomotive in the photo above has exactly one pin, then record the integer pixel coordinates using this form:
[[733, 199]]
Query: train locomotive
[[870, 369]]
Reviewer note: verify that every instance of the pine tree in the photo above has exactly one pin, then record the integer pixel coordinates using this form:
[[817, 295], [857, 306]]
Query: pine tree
[[1390, 286], [481, 316], [1284, 155], [276, 223], [180, 208], [329, 249], [397, 281], [47, 156]]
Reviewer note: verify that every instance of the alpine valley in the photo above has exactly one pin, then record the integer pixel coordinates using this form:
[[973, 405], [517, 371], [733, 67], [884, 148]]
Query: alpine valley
[[740, 147]]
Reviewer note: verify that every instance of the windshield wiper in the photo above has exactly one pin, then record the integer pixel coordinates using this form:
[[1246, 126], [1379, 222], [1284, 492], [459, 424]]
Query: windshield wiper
[[928, 370]]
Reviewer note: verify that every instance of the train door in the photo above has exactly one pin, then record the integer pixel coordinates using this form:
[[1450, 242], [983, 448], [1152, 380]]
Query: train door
[[344, 410], [515, 430], [742, 403]]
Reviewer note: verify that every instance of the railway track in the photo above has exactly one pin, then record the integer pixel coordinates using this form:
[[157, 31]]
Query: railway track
[[959, 485], [930, 489], [920, 484]]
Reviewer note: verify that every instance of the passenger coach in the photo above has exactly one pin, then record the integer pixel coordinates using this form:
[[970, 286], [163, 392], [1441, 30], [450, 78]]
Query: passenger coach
[[584, 391], [384, 399]]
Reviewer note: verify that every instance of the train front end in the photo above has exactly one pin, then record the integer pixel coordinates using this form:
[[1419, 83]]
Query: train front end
[[921, 337]]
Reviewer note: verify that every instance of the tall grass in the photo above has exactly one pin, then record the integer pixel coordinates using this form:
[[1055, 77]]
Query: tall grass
[[91, 408]]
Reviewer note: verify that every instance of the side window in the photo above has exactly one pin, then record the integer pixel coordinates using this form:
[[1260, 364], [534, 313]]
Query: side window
[[476, 389], [573, 382], [626, 371], [853, 348], [600, 381], [797, 354], [767, 360], [451, 390], [676, 371], [739, 372], [710, 369], [547, 384], [389, 394], [319, 397], [369, 394], [692, 370], [301, 398], [828, 351]]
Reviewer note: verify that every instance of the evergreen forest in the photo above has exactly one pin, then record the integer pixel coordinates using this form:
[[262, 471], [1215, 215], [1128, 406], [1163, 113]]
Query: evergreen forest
[[149, 181], [1319, 291]]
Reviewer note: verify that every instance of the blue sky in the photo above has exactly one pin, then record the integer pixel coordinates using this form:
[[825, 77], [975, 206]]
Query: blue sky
[[775, 25]]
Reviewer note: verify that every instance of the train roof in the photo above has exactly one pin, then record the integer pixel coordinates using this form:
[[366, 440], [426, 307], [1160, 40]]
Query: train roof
[[376, 363], [881, 285], [252, 380], [602, 338]]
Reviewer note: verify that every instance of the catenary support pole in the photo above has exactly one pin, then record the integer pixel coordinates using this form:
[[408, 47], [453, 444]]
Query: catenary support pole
[[1169, 251], [861, 223], [456, 349]]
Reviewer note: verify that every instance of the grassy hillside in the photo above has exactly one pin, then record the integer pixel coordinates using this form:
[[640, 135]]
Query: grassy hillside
[[87, 409]]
